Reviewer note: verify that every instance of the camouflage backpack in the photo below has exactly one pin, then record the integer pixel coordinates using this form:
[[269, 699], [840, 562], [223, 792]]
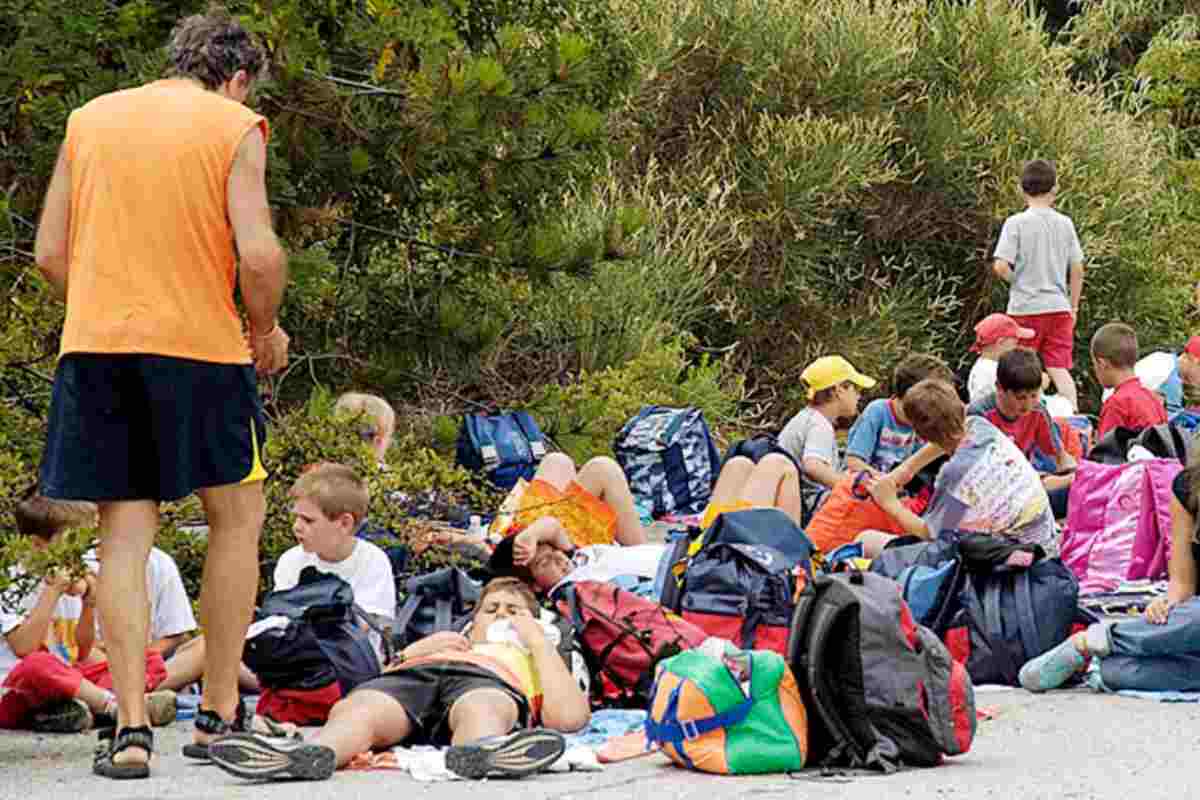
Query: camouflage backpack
[[669, 458]]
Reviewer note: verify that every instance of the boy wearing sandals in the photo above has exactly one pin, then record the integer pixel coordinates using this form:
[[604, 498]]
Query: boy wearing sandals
[[47, 681], [480, 694]]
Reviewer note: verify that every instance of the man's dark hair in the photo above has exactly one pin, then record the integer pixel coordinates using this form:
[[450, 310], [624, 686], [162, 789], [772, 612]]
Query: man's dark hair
[[1117, 343], [1039, 177], [917, 368], [39, 516], [1019, 370], [211, 48]]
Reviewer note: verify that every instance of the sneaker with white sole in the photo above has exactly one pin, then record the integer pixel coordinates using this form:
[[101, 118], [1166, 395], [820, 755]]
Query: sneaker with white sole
[[68, 716], [258, 757], [512, 755]]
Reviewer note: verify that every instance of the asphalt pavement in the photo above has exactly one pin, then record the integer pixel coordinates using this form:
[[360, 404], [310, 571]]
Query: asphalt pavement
[[1075, 744]]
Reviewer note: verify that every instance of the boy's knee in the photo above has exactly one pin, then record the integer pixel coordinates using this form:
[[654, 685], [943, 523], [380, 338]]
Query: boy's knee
[[557, 461], [604, 464], [491, 705], [780, 463]]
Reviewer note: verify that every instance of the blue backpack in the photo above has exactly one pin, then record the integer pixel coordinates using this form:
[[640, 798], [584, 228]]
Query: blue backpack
[[504, 447], [669, 458]]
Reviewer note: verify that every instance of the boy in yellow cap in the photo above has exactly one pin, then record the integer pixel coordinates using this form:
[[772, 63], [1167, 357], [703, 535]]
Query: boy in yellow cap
[[834, 392]]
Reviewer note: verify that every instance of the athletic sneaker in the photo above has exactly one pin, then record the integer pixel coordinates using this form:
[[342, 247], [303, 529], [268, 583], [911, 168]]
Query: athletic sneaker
[[1053, 668], [514, 755], [68, 716], [258, 757]]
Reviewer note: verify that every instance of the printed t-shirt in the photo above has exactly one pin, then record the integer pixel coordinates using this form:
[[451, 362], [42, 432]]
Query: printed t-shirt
[[988, 486]]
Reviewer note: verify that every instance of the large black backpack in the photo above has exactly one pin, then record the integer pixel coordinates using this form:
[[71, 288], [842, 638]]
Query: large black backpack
[[1009, 616], [323, 640], [881, 691], [443, 600]]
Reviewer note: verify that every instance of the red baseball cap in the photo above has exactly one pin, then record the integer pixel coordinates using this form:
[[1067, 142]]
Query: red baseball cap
[[1192, 348], [995, 327]]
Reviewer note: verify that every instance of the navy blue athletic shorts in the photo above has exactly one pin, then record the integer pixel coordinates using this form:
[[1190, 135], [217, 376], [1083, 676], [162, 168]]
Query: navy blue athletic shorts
[[146, 427]]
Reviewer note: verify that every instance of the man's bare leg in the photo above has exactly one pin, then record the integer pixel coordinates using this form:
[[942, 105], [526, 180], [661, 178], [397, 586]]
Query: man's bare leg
[[187, 666], [127, 530], [228, 588], [481, 713]]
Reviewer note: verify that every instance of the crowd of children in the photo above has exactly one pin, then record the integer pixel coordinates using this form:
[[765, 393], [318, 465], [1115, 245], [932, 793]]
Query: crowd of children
[[998, 459]]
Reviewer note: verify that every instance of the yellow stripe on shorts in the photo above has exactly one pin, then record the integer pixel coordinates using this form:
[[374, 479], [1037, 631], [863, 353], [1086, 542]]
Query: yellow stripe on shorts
[[257, 471]]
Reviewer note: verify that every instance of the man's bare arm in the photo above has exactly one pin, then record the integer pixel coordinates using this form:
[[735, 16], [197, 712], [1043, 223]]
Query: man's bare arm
[[263, 267], [52, 249]]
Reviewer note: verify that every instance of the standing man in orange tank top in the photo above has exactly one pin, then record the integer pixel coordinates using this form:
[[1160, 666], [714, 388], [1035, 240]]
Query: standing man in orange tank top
[[156, 211]]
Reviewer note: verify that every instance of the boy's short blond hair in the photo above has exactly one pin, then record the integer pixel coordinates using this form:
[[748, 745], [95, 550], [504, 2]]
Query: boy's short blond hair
[[41, 516], [935, 411], [1117, 344], [335, 489], [369, 405]]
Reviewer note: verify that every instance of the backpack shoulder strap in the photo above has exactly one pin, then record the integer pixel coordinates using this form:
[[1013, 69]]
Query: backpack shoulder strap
[[533, 434], [992, 622], [481, 434], [1026, 615]]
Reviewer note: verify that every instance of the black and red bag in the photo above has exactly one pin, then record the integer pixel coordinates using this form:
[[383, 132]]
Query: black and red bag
[[881, 691], [623, 637]]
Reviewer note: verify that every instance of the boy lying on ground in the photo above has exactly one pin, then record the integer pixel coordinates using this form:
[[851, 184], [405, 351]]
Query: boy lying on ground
[[480, 696], [329, 502], [1158, 653], [986, 486], [545, 556], [50, 680]]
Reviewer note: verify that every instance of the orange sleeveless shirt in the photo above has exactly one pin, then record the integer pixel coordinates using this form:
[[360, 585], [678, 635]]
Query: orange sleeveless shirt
[[152, 260]]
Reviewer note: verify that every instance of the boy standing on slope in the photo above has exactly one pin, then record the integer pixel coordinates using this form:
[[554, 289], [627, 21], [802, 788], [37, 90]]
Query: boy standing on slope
[[1040, 257]]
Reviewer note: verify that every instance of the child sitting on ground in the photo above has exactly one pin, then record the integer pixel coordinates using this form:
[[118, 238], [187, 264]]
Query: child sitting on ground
[[1158, 653], [883, 437], [1016, 408], [986, 485], [1131, 405], [834, 392], [49, 682], [481, 697], [329, 502], [995, 335]]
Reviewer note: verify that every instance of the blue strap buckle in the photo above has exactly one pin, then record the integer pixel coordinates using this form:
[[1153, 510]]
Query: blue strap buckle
[[690, 731]]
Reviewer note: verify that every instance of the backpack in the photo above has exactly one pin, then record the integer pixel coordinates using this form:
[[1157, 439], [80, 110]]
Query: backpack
[[669, 459], [1119, 523], [623, 637], [930, 575], [880, 690], [735, 715], [756, 447], [504, 447], [1010, 616], [443, 600], [1162, 441], [322, 642]]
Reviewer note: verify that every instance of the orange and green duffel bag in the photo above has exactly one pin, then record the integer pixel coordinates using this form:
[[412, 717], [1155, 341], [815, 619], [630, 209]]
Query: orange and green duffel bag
[[738, 714]]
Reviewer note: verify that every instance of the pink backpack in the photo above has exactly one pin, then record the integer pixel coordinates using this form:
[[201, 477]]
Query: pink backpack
[[1119, 522]]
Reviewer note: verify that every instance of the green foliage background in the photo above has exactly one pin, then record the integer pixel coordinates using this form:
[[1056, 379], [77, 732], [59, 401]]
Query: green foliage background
[[577, 207]]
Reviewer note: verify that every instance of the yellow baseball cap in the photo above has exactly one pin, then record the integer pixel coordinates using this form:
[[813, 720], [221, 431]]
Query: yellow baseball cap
[[830, 371]]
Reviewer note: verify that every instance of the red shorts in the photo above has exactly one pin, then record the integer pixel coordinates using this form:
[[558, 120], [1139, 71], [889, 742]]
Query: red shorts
[[1053, 337]]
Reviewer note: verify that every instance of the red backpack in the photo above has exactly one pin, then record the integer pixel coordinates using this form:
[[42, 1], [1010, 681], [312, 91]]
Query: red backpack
[[623, 637]]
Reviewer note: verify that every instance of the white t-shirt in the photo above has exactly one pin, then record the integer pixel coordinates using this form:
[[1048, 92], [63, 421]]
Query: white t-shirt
[[170, 610], [982, 380], [367, 570], [60, 637], [604, 562]]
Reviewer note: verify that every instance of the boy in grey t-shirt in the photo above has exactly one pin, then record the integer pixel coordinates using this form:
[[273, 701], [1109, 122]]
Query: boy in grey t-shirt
[[1039, 255], [809, 438]]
